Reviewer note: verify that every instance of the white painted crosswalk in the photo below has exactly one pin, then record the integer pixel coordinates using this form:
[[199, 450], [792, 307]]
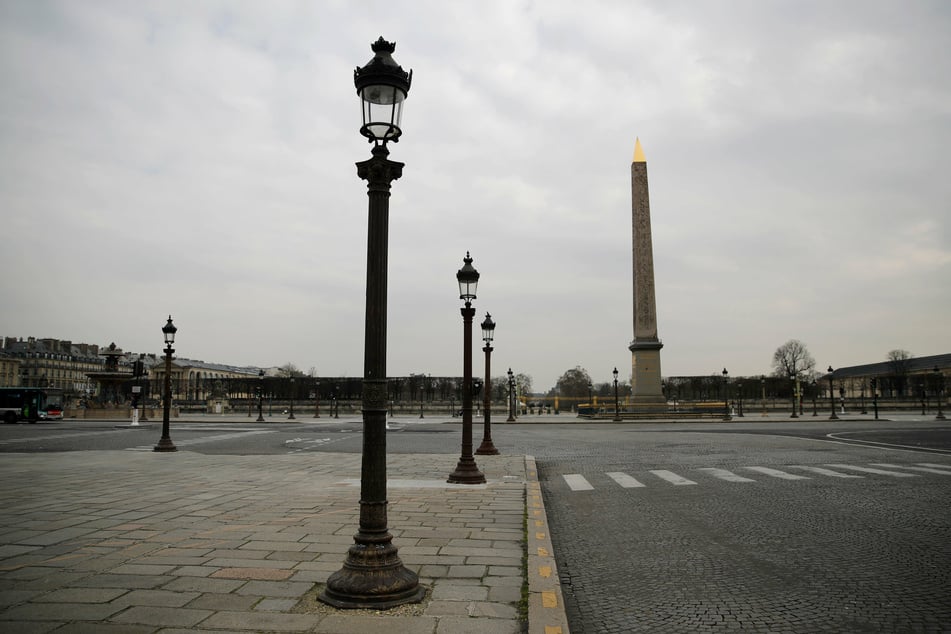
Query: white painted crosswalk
[[751, 474]]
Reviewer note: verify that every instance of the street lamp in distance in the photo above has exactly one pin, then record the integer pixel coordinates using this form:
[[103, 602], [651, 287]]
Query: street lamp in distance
[[939, 388], [260, 396], [617, 408], [832, 394], [511, 417], [466, 471], [726, 395], [165, 443], [487, 448]]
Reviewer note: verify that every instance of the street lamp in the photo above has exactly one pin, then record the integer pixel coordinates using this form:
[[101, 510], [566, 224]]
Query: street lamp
[[726, 397], [739, 399], [762, 383], [511, 417], [617, 408], [939, 388], [260, 396], [832, 394], [291, 417], [488, 333], [165, 443], [317, 398], [467, 472], [874, 384], [373, 575], [815, 393], [792, 377]]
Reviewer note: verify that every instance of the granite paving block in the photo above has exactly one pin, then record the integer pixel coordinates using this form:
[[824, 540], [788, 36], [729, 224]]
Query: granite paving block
[[358, 624], [169, 617], [262, 622]]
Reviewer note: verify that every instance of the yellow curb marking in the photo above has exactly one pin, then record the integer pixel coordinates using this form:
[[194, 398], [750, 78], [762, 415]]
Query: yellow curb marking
[[537, 512], [552, 629], [549, 599], [542, 552], [539, 535], [544, 571], [539, 523]]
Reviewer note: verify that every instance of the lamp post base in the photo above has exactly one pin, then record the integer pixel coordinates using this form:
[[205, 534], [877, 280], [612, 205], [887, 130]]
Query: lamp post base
[[165, 444], [467, 472], [487, 449], [372, 577]]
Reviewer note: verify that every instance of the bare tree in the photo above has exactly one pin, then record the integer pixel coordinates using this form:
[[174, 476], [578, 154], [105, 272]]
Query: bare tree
[[792, 359], [899, 362]]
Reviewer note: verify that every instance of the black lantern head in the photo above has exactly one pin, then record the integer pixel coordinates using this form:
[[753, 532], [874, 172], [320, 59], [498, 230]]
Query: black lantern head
[[725, 373], [382, 86], [468, 279], [830, 370], [615, 374], [488, 329], [169, 331]]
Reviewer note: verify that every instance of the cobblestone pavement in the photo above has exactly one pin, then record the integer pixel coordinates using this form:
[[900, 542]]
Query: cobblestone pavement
[[135, 542], [736, 532]]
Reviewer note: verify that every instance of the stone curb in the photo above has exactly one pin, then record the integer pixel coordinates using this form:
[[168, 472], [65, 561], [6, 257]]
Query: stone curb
[[546, 606]]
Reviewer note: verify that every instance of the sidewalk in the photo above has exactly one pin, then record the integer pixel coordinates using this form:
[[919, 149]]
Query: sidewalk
[[143, 542]]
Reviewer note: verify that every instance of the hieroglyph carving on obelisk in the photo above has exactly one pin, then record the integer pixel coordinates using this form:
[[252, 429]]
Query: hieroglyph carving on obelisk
[[645, 349]]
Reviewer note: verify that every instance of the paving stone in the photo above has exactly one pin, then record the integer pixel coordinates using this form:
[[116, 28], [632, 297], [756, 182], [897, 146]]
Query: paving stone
[[358, 624], [262, 621], [80, 595], [169, 617]]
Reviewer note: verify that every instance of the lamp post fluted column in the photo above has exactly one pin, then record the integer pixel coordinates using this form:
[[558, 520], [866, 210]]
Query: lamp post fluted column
[[373, 576], [726, 396], [487, 448]]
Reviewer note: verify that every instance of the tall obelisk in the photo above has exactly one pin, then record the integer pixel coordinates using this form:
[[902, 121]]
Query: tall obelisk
[[645, 349]]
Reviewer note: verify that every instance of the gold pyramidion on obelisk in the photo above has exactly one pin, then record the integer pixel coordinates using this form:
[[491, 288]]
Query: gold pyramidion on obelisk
[[645, 348]]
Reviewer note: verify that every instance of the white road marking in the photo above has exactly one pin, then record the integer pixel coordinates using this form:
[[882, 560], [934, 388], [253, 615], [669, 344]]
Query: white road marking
[[895, 474], [776, 473], [11, 441], [923, 469], [723, 474], [206, 439], [624, 480], [935, 465], [825, 472], [577, 482], [672, 477]]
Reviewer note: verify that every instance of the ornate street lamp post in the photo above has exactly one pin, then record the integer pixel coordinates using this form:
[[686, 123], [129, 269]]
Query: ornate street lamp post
[[317, 398], [739, 400], [815, 393], [261, 396], [617, 407], [726, 396], [832, 394], [373, 575], [939, 388], [792, 377], [165, 443], [467, 472], [762, 383], [291, 417], [488, 333], [511, 417], [874, 384]]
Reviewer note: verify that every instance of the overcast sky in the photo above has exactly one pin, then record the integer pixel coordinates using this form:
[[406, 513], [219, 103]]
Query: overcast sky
[[196, 158]]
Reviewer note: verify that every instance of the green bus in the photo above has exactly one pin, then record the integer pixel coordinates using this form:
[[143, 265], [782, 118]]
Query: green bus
[[23, 403]]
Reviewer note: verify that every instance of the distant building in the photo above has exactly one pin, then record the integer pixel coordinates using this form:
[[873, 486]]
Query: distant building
[[197, 380], [51, 363], [907, 378]]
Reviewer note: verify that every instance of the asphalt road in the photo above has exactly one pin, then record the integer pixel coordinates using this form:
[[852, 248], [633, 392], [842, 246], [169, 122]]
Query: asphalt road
[[805, 526]]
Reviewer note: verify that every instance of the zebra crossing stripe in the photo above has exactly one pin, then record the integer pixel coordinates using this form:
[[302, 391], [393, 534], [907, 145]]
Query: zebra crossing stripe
[[895, 474], [923, 469], [577, 482], [825, 472], [624, 480], [723, 474], [672, 477], [935, 465], [776, 473]]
